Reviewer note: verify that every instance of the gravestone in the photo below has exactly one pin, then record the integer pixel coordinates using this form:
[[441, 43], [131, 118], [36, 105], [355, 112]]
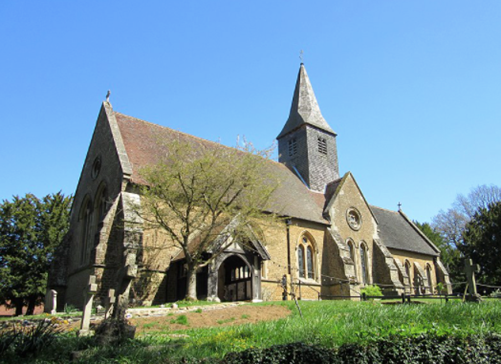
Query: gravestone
[[87, 310], [125, 277], [50, 305], [470, 270], [110, 301]]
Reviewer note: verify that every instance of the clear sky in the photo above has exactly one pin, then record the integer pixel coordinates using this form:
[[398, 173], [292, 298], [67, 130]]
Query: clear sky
[[413, 88]]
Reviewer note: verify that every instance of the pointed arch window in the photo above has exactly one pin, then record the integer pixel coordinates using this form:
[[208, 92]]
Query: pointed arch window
[[351, 248], [85, 230], [300, 261], [409, 272], [101, 204], [309, 262], [306, 259], [364, 263], [429, 277]]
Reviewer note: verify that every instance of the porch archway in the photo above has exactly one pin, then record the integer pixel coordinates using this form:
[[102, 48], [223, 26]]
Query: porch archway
[[235, 277]]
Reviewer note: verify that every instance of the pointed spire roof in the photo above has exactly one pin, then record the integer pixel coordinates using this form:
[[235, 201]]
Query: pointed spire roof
[[304, 108]]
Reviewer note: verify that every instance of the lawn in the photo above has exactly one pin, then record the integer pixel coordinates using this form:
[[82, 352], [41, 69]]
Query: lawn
[[326, 323]]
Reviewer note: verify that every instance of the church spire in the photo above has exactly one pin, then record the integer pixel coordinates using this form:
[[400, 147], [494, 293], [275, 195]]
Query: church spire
[[307, 144], [304, 108]]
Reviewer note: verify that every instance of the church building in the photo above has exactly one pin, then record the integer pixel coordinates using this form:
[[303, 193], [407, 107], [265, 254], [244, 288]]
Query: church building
[[330, 245]]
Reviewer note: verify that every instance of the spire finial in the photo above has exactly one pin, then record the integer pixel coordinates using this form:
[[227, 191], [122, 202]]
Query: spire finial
[[399, 206], [301, 56], [108, 96]]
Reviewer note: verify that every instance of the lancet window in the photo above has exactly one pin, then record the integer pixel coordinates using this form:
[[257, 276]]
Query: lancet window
[[306, 258]]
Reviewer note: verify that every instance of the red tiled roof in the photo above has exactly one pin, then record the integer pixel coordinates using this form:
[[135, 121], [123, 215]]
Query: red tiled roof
[[144, 143]]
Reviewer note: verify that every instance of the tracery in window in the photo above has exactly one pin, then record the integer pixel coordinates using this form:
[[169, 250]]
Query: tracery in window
[[306, 258]]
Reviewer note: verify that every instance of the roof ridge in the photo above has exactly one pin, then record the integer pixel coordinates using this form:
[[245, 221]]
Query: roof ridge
[[175, 130], [382, 208], [193, 136]]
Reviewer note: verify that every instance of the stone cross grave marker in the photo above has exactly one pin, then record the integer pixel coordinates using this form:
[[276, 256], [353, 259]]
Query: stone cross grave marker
[[470, 270], [110, 301], [87, 311]]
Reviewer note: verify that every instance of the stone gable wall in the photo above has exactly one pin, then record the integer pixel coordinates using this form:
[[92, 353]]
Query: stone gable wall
[[102, 145], [349, 197]]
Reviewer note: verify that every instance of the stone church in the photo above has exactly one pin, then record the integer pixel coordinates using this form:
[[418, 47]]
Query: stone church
[[331, 243]]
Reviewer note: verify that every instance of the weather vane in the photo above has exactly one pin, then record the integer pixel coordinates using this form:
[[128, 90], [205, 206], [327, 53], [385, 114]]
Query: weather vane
[[301, 55]]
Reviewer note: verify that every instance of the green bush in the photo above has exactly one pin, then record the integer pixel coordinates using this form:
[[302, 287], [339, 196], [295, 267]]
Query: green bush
[[371, 290], [426, 348]]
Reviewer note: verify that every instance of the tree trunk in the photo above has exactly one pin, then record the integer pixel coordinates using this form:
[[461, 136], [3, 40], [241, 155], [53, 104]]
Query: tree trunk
[[18, 303], [191, 284], [31, 306]]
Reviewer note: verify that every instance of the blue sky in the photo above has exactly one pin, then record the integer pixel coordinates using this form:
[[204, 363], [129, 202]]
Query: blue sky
[[413, 88]]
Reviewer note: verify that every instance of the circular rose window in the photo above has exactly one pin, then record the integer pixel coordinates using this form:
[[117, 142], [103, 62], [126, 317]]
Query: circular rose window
[[96, 167], [354, 218]]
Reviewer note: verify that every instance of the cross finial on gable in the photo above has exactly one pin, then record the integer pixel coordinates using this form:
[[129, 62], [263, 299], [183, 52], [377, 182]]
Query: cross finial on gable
[[108, 96], [399, 206], [301, 56]]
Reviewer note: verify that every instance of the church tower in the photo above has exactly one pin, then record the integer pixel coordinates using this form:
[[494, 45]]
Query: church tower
[[307, 144]]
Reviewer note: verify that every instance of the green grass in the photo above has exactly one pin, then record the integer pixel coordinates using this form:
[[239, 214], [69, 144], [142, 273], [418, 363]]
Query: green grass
[[42, 316], [181, 320], [333, 323], [325, 323], [220, 322]]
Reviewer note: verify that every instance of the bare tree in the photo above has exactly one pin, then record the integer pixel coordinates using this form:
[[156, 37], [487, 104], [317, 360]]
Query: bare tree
[[451, 223], [203, 197]]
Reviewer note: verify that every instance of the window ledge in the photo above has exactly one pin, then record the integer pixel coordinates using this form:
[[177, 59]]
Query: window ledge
[[309, 282]]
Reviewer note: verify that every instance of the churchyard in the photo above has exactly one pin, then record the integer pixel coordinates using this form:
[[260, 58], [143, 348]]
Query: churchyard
[[201, 333]]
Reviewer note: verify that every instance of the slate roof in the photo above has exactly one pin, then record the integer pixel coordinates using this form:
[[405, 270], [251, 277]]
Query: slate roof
[[398, 232], [144, 142], [304, 108]]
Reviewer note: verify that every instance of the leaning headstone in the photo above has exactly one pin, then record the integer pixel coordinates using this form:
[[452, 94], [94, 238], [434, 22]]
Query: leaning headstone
[[470, 270], [87, 311], [110, 301]]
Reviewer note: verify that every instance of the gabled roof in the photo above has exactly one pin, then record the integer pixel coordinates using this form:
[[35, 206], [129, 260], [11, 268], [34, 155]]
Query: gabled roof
[[144, 143], [304, 108], [398, 232]]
